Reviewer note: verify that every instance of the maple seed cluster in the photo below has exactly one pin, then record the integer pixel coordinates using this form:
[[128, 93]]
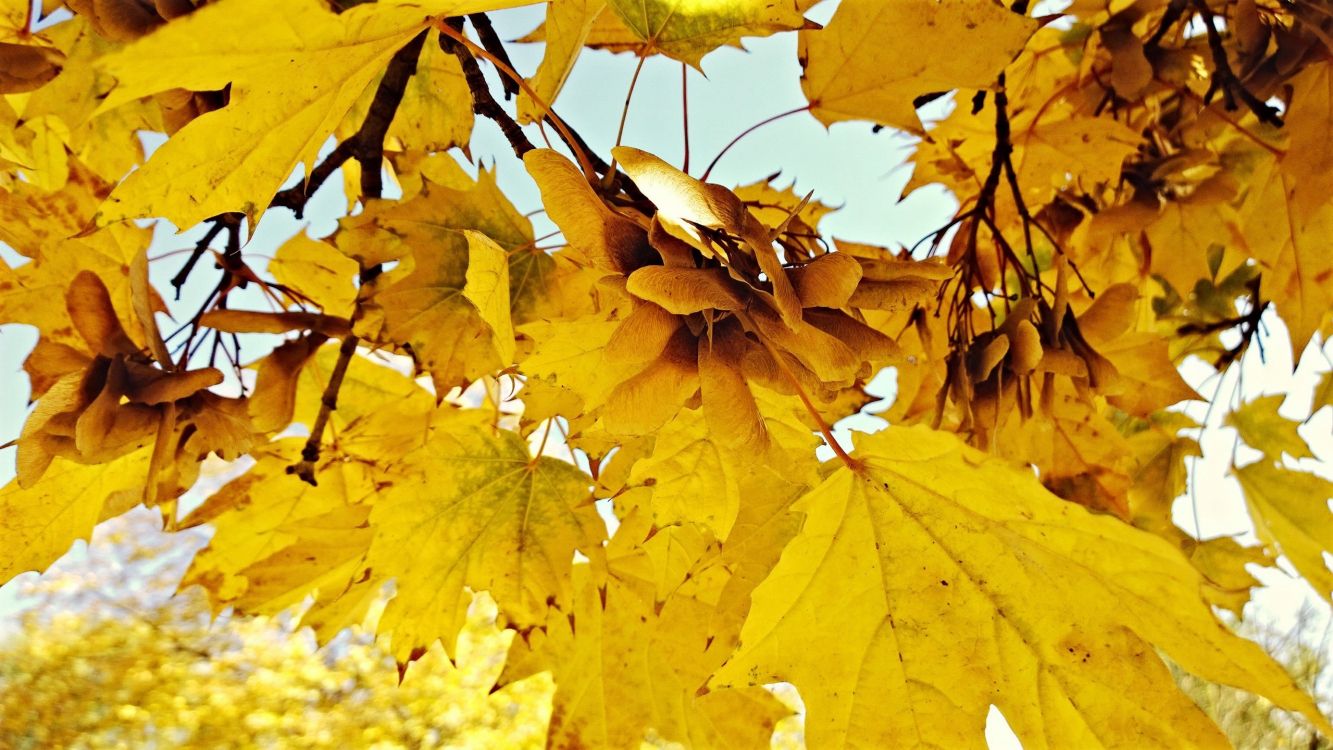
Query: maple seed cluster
[[714, 305]]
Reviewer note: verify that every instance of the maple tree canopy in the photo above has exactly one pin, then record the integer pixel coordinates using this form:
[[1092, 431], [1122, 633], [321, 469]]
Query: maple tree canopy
[[1139, 182]]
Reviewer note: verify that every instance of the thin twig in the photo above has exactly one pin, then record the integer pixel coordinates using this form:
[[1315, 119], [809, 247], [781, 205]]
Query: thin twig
[[296, 196], [328, 403], [685, 114], [452, 31], [219, 222]]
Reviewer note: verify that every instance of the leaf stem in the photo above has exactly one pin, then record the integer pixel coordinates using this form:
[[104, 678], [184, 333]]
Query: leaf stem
[[624, 114], [747, 131], [541, 448], [685, 113]]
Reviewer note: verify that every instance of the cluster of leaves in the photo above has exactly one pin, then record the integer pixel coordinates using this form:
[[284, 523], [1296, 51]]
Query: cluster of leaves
[[166, 672], [1138, 182]]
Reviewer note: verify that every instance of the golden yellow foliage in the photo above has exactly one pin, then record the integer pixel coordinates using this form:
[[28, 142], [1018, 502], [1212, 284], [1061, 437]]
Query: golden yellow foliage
[[137, 667], [615, 430]]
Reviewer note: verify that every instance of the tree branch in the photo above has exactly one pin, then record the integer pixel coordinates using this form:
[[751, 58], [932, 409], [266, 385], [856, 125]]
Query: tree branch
[[490, 41], [218, 222], [1224, 77], [328, 403], [367, 147], [367, 144], [369, 140], [483, 103]]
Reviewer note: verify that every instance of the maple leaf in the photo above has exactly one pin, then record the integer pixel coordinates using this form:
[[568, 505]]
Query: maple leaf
[[607, 32], [1290, 511], [933, 554], [318, 272], [426, 308], [486, 516], [851, 75], [697, 477], [1310, 171], [290, 84], [41, 522], [436, 111], [1262, 428], [1135, 186], [633, 651], [566, 29], [623, 664], [686, 30], [1292, 253], [448, 203], [265, 512]]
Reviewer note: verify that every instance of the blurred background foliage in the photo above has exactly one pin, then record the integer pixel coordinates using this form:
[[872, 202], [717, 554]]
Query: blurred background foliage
[[105, 657], [102, 655], [1251, 722]]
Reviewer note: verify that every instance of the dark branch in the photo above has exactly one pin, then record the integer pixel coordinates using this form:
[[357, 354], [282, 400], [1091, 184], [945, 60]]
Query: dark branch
[[305, 469], [482, 102], [1224, 77], [369, 148], [490, 41], [1174, 11], [218, 222], [367, 144]]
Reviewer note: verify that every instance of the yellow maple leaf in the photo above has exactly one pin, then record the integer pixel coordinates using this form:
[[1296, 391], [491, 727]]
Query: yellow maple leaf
[[425, 310], [265, 511], [41, 522], [935, 582], [448, 203], [686, 30], [294, 71], [607, 32], [1308, 162], [436, 111], [1290, 511], [852, 72], [624, 662], [1263, 429], [567, 25], [487, 287], [1160, 474], [1185, 232], [691, 477], [1298, 269], [382, 413], [326, 560], [1148, 379], [316, 270], [479, 513], [570, 357]]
